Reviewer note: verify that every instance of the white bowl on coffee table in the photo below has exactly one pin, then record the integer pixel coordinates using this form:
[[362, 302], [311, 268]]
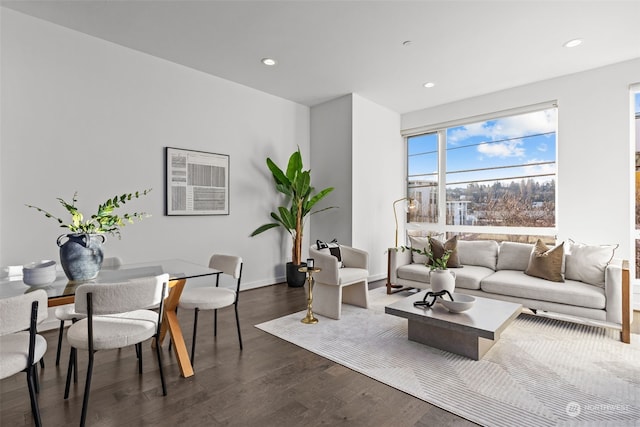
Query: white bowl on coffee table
[[460, 303]]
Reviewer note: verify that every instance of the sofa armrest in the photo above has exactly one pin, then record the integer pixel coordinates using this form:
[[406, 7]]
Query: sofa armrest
[[618, 295], [354, 258], [397, 258]]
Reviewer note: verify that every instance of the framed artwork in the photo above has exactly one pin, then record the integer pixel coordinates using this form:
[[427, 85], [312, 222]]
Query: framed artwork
[[197, 183]]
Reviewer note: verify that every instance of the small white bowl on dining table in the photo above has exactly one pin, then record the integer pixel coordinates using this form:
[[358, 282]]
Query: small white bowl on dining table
[[460, 303], [39, 273]]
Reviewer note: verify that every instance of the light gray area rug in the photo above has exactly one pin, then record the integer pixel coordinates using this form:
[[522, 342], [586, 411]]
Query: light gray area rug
[[542, 372]]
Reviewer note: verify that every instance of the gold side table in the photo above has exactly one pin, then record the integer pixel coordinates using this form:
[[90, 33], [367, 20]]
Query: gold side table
[[309, 318]]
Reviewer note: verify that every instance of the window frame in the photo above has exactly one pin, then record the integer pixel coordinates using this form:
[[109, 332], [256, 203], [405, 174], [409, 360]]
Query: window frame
[[441, 225]]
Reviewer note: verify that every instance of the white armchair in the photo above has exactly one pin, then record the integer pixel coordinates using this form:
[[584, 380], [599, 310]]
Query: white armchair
[[334, 285]]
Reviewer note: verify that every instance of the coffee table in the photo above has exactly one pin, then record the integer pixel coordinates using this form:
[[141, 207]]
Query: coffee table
[[471, 333]]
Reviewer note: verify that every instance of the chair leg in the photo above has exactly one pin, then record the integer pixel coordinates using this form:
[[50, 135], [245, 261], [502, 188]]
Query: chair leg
[[59, 342], [164, 387], [139, 352], [87, 388], [36, 383], [42, 363], [170, 337], [72, 354], [238, 325], [193, 341], [215, 323], [32, 395]]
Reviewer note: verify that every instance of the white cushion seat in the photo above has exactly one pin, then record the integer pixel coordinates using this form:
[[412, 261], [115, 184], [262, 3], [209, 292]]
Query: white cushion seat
[[115, 331], [350, 275], [207, 298], [14, 352]]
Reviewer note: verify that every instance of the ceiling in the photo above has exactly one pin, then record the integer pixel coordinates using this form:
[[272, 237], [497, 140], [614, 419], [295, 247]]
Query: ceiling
[[326, 49]]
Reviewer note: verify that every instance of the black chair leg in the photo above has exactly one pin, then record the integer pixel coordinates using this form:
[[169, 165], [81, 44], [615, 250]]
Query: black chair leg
[[195, 329], [215, 323], [87, 388], [42, 363], [164, 387], [139, 352], [32, 395], [59, 342], [36, 383], [238, 325], [72, 354]]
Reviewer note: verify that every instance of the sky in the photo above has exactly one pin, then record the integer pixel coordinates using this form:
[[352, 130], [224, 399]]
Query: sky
[[516, 144]]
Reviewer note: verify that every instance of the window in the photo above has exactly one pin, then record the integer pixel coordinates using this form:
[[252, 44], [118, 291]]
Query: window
[[636, 104], [496, 176]]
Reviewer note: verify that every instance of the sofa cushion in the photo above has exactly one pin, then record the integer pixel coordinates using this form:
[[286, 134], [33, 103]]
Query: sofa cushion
[[517, 284], [587, 263], [420, 243], [546, 263], [470, 276], [438, 248], [514, 256], [483, 253]]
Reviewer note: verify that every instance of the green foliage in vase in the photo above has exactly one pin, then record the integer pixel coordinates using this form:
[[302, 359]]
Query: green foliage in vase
[[104, 221], [434, 263]]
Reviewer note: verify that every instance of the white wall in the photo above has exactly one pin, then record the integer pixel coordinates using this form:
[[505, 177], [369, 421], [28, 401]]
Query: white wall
[[356, 147], [379, 178], [80, 113], [595, 147]]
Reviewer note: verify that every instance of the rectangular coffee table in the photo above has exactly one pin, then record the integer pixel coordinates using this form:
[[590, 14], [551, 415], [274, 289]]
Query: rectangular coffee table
[[471, 333]]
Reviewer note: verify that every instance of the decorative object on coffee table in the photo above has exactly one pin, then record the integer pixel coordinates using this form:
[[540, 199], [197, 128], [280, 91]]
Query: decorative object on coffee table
[[309, 318]]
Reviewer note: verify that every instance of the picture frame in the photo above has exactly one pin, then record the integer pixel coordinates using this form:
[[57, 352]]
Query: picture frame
[[196, 182]]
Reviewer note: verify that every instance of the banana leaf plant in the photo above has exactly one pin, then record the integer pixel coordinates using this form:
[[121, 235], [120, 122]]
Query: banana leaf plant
[[300, 196]]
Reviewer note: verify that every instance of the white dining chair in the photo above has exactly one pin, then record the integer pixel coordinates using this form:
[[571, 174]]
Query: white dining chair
[[214, 298], [20, 345], [116, 315], [67, 313]]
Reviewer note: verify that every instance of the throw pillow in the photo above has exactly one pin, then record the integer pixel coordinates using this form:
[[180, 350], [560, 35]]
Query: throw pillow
[[587, 263], [514, 256], [332, 248], [438, 248], [420, 243], [545, 262]]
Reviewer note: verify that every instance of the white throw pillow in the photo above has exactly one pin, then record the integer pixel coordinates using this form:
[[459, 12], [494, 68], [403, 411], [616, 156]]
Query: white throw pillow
[[587, 263], [331, 248], [514, 256], [421, 243]]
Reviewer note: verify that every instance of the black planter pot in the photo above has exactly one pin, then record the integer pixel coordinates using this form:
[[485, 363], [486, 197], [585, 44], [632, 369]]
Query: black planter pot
[[295, 278]]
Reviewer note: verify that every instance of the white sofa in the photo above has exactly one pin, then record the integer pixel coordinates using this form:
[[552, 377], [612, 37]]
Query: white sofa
[[497, 271]]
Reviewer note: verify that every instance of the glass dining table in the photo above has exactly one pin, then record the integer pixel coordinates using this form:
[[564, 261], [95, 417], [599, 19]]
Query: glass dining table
[[61, 291]]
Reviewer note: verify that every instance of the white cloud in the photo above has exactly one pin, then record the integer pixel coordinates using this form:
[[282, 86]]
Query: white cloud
[[502, 149]]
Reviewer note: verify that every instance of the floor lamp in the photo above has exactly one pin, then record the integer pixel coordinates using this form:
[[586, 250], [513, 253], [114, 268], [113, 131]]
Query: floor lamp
[[412, 205]]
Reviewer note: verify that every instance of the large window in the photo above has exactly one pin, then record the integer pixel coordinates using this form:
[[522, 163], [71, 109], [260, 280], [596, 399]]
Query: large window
[[497, 177], [637, 138]]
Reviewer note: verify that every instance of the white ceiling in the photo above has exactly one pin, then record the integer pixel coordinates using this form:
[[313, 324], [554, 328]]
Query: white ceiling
[[326, 49]]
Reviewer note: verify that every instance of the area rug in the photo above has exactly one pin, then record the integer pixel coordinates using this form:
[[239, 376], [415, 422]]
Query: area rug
[[542, 372]]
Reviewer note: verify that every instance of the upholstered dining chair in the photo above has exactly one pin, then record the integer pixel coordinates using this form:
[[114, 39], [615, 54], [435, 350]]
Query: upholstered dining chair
[[213, 298], [339, 281], [20, 345], [116, 315], [66, 313]]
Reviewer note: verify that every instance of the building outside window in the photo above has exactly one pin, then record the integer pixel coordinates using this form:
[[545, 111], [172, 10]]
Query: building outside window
[[496, 176]]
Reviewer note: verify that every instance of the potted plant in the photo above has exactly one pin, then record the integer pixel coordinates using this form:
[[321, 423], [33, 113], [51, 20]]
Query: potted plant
[[81, 253], [300, 198], [440, 277]]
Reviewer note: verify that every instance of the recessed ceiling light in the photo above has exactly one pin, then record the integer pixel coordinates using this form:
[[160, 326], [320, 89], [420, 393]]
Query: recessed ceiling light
[[269, 61], [573, 43], [429, 84], [407, 43]]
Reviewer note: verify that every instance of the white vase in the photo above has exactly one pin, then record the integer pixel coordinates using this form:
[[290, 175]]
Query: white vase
[[441, 280]]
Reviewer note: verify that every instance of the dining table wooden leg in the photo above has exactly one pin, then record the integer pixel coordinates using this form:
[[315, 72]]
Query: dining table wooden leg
[[173, 326]]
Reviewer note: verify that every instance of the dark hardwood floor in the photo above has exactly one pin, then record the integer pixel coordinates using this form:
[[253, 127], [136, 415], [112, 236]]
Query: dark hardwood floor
[[270, 383]]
